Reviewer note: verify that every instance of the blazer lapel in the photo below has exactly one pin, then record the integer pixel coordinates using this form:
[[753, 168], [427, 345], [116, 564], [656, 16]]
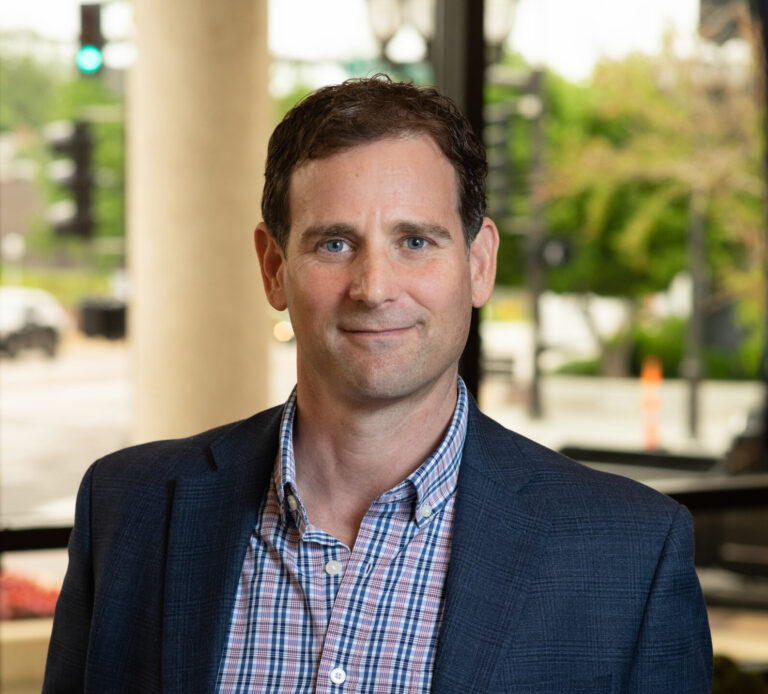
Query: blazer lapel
[[211, 521], [498, 534]]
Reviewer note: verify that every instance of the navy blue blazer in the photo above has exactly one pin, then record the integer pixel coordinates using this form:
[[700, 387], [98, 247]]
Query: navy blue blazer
[[561, 579]]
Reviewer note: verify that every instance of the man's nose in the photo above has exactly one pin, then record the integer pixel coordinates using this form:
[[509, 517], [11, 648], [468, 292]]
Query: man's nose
[[375, 279]]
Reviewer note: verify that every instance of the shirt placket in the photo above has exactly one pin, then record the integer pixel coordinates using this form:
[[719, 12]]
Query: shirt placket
[[350, 621]]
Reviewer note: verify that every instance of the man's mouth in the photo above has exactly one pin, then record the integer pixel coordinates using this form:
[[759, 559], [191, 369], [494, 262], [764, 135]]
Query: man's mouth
[[376, 331]]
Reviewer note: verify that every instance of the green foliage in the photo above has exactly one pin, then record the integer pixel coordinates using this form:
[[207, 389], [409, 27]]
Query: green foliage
[[109, 164], [75, 95], [626, 154], [68, 285], [28, 92], [582, 367], [510, 261], [664, 340]]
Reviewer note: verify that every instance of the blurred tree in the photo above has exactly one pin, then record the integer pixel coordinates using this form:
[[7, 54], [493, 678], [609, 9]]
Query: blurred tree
[[28, 90], [627, 155]]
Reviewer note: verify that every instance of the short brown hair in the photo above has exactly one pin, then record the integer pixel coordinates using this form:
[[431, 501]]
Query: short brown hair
[[358, 111]]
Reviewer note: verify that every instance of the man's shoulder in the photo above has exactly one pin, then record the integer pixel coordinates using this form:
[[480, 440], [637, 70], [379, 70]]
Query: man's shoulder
[[196, 454], [569, 487]]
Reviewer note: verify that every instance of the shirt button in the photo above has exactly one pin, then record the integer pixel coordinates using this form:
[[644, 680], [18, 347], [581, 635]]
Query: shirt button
[[426, 510], [293, 502], [338, 676], [332, 568], [368, 567]]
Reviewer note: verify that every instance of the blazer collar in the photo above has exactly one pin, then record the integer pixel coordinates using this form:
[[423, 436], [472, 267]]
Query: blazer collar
[[211, 520], [499, 531]]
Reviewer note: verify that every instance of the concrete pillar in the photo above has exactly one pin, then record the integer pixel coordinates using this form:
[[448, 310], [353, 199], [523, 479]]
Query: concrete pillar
[[199, 122]]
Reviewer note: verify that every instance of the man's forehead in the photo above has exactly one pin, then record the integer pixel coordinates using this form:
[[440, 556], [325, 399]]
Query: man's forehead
[[394, 139], [381, 144], [410, 159]]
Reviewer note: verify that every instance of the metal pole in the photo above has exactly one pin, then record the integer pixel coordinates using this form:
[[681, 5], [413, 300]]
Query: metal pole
[[698, 265], [535, 241], [458, 57], [760, 10]]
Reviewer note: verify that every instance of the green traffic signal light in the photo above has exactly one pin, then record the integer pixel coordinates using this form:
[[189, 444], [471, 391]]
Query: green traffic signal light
[[89, 59]]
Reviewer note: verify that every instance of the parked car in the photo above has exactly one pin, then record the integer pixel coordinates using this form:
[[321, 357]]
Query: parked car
[[30, 319]]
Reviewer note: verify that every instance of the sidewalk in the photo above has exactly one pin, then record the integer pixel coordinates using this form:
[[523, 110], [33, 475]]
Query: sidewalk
[[607, 413]]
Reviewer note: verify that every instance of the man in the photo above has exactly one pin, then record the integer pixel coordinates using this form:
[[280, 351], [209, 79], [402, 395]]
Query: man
[[377, 533]]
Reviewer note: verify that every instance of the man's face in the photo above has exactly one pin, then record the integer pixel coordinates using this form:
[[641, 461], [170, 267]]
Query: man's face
[[376, 277]]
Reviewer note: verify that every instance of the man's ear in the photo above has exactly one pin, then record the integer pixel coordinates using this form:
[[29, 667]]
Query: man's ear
[[482, 262], [272, 263]]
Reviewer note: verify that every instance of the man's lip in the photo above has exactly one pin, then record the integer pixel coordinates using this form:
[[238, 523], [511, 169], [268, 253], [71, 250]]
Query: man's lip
[[379, 330]]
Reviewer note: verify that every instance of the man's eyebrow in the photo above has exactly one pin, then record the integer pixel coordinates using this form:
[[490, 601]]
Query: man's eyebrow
[[317, 232], [435, 231]]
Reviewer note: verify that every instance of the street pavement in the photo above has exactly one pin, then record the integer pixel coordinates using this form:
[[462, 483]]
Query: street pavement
[[56, 417], [609, 413]]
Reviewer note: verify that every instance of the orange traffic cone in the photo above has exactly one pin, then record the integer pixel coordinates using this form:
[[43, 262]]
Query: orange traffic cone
[[651, 378]]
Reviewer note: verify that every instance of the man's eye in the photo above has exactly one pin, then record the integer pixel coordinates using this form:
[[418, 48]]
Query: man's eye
[[414, 243], [335, 245]]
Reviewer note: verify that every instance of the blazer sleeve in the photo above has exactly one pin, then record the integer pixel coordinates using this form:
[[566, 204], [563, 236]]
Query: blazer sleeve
[[68, 649], [674, 648]]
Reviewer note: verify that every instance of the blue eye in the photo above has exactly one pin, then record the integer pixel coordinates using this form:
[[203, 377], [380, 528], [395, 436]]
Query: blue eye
[[335, 245], [414, 243]]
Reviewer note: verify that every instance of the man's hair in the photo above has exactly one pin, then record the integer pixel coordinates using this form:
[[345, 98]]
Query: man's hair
[[359, 111]]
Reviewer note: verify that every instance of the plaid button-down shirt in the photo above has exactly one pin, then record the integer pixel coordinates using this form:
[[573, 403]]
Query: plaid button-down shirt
[[312, 616]]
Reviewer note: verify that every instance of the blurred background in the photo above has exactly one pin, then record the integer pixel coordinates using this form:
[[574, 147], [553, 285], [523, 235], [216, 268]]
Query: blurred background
[[627, 151]]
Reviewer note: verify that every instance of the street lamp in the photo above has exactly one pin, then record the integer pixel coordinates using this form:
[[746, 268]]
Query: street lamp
[[498, 21], [421, 14], [390, 17], [386, 17], [391, 23]]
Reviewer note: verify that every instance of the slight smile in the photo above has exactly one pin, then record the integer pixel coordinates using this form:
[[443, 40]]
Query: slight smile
[[376, 332]]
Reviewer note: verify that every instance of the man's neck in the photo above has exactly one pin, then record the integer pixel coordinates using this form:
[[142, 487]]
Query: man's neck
[[347, 455]]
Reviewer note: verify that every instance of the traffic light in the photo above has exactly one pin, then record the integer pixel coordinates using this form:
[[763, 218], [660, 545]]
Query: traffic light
[[89, 57], [74, 173]]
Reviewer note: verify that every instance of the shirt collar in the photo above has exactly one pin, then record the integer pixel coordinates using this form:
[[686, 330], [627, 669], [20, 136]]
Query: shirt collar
[[430, 485], [285, 470]]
